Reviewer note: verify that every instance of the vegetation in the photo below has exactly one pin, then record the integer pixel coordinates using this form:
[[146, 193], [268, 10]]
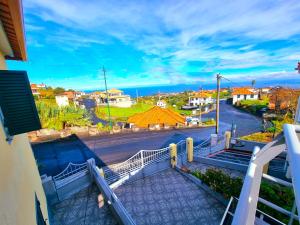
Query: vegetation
[[102, 127], [253, 106], [271, 132], [231, 186], [121, 114], [223, 94], [209, 122], [259, 137], [54, 117]]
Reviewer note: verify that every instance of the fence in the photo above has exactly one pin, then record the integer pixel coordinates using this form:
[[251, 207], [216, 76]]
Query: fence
[[69, 174], [204, 149]]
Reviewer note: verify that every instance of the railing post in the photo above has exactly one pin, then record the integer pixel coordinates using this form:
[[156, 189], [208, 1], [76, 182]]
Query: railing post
[[173, 154], [227, 137], [190, 149], [142, 158], [90, 164]]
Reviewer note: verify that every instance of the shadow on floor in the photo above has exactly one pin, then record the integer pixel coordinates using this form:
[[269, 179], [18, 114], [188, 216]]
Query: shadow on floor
[[54, 156]]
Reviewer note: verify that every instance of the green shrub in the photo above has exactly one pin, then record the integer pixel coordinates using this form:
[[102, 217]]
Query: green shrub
[[54, 117], [102, 127], [232, 186]]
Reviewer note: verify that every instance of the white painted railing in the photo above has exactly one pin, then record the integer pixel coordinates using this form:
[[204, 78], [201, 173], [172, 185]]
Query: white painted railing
[[245, 210], [204, 149], [135, 163], [70, 173], [138, 161]]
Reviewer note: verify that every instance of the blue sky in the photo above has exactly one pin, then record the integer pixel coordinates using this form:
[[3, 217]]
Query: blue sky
[[144, 43]]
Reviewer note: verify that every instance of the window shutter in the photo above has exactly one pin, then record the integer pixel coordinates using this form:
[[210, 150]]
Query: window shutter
[[17, 103]]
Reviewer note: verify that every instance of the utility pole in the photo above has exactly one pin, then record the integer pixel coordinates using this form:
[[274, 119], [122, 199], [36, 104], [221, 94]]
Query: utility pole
[[218, 102], [200, 112], [107, 98]]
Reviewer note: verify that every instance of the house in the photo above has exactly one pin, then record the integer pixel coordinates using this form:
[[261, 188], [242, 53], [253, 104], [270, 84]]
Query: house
[[70, 95], [34, 89], [115, 98], [41, 86], [200, 98], [62, 100], [22, 198], [244, 93], [156, 117], [161, 103]]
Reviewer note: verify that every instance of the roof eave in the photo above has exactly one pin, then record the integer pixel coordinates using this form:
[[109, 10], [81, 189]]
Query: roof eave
[[11, 15]]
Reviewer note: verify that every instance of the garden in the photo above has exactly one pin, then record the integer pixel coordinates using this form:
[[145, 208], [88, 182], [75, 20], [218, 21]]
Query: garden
[[229, 186]]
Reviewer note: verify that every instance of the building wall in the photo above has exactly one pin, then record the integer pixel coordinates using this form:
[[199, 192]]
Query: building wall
[[19, 179], [235, 98]]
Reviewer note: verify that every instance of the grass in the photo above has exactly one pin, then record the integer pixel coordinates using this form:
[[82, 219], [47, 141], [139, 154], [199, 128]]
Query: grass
[[268, 136], [253, 106], [121, 114], [259, 137]]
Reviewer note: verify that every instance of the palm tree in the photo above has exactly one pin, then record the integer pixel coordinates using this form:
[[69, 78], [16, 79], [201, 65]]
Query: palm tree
[[253, 82]]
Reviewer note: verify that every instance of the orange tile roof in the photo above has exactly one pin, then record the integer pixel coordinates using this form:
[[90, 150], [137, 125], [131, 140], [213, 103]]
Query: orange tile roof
[[156, 115], [33, 86], [201, 95], [242, 91]]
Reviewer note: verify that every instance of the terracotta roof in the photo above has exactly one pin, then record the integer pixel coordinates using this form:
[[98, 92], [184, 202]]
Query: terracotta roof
[[33, 86], [201, 95], [69, 94], [11, 17], [156, 115], [114, 90], [242, 91]]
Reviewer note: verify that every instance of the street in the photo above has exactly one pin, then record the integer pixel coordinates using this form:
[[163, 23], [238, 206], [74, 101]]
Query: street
[[117, 148]]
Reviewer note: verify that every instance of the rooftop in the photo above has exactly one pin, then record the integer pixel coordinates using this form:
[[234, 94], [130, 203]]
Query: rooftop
[[157, 115]]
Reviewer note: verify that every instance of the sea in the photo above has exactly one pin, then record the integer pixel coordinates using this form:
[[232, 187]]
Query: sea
[[154, 90]]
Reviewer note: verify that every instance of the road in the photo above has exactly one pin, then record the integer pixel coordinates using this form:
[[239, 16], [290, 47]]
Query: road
[[117, 148]]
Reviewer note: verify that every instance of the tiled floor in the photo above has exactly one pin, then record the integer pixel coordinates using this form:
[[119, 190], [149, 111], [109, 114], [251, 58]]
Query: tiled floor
[[169, 198], [82, 209]]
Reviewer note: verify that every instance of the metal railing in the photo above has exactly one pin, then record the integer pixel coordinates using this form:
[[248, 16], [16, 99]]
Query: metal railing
[[261, 217], [138, 161], [204, 149], [70, 173]]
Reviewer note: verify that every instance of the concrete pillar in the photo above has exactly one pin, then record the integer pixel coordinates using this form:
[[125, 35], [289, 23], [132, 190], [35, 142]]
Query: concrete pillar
[[190, 149], [228, 138], [91, 163], [50, 190], [173, 154]]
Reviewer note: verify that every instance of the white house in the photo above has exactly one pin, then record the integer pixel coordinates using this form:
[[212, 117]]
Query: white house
[[115, 98], [62, 100], [200, 98], [161, 103], [240, 94]]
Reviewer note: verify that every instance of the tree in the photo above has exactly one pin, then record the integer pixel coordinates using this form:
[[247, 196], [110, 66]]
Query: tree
[[253, 82], [59, 90], [284, 99]]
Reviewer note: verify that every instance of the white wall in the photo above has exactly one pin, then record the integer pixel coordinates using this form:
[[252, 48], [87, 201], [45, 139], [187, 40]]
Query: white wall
[[196, 101], [235, 98]]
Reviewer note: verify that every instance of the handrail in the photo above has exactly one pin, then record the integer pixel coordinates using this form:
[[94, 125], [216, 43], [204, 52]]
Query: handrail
[[293, 146], [66, 172]]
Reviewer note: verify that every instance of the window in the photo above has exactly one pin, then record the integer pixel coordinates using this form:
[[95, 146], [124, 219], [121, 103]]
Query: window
[[252, 96], [238, 96], [17, 103]]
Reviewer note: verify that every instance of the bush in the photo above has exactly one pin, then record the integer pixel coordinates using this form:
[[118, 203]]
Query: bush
[[232, 186], [102, 127], [54, 117]]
